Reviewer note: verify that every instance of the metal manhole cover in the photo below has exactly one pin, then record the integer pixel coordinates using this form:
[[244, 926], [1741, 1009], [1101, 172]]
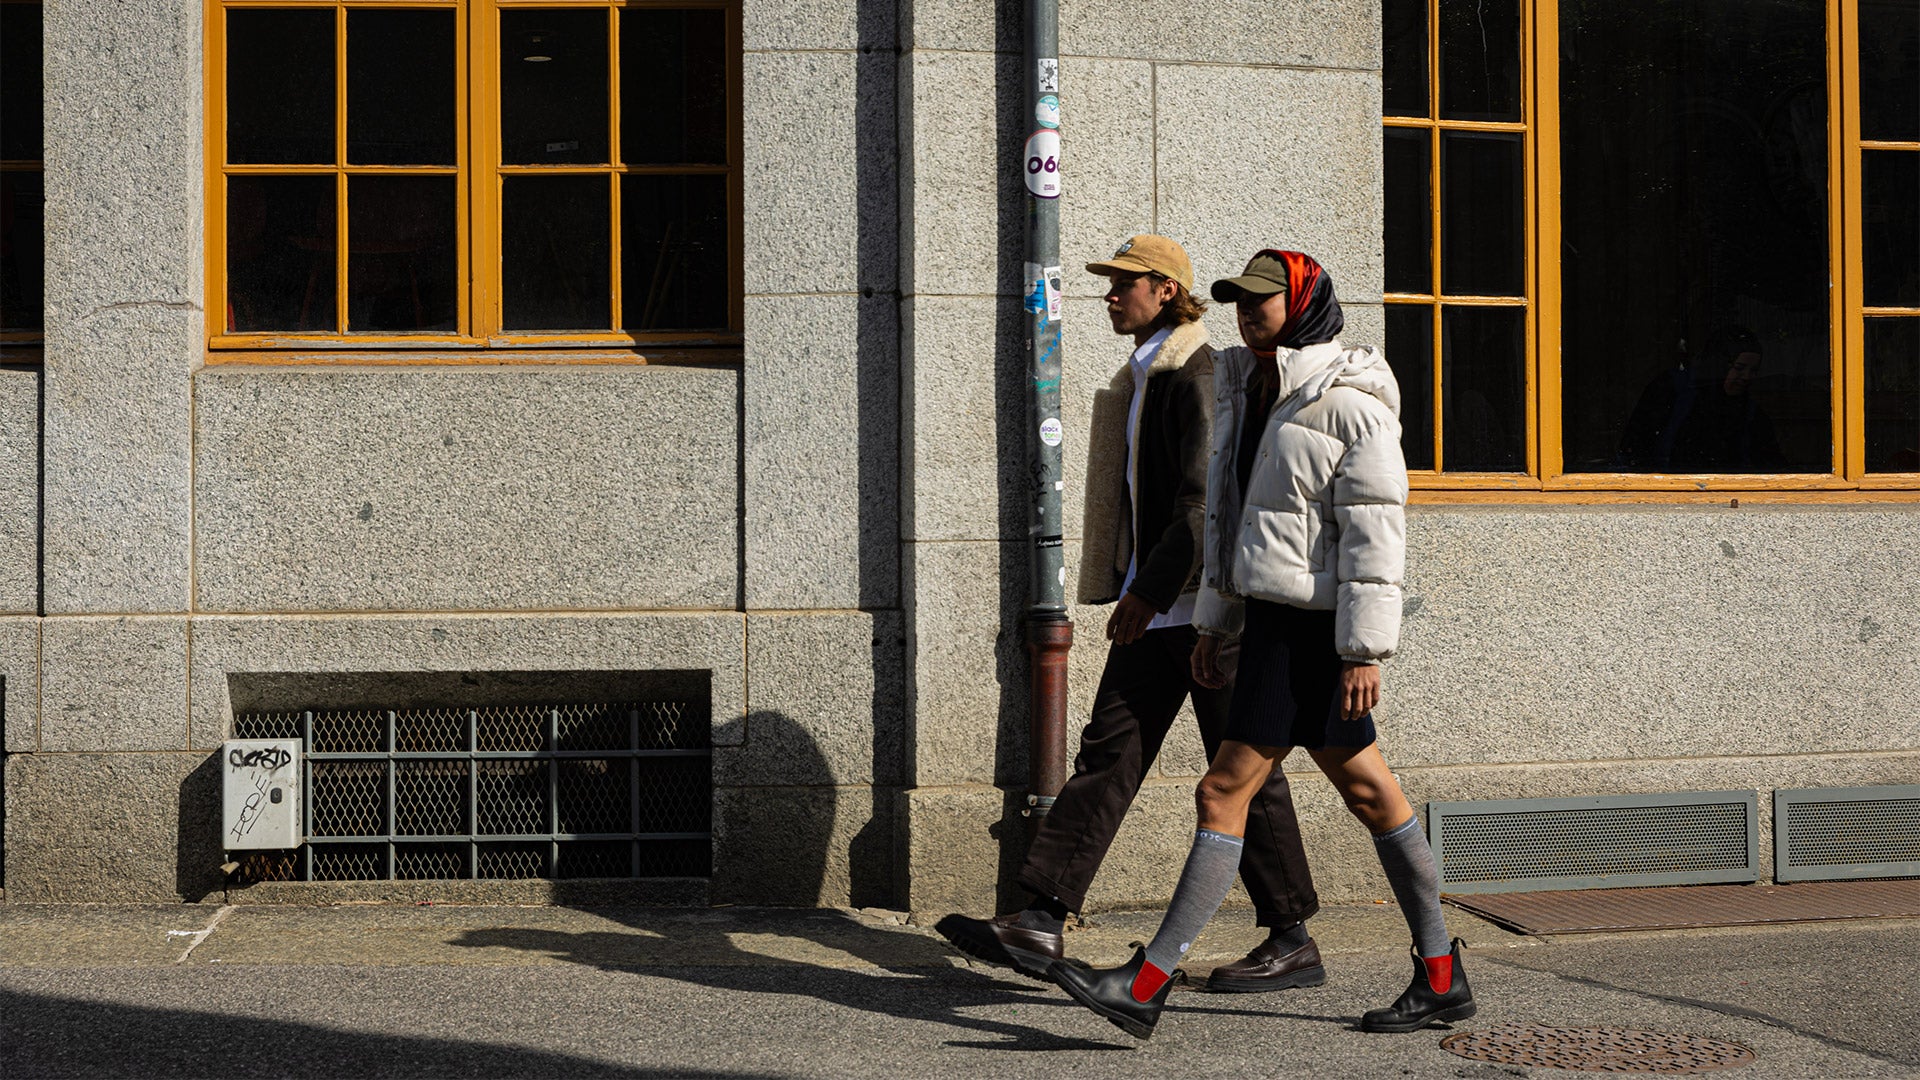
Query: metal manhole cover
[[1598, 1049]]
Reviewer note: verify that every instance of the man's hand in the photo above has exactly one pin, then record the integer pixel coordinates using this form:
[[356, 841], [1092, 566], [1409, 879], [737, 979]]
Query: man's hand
[[1129, 620], [1206, 662], [1359, 689]]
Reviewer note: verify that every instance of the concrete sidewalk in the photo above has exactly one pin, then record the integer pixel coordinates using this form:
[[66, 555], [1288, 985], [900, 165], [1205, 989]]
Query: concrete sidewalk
[[377, 990]]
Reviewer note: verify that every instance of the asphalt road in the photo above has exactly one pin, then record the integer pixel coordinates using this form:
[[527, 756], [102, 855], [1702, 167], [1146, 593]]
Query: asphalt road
[[499, 992]]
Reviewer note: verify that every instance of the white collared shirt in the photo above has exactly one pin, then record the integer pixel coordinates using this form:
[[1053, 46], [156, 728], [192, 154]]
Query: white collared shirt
[[1181, 613]]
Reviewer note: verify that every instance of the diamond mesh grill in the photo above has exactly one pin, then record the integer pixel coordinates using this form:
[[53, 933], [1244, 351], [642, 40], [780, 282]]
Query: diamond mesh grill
[[430, 798], [1616, 842], [349, 798], [513, 861], [571, 791], [512, 797]]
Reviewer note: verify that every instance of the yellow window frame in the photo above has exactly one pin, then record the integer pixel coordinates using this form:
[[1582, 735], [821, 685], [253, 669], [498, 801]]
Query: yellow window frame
[[481, 338], [1546, 480]]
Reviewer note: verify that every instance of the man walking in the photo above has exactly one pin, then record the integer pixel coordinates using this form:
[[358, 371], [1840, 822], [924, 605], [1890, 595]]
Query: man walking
[[1148, 450]]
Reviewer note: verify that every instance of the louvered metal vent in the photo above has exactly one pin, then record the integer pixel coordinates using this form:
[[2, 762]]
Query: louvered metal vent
[[564, 791], [1824, 834], [1606, 841]]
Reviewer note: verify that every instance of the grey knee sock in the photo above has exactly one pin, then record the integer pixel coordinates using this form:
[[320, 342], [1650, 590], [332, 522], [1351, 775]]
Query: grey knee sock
[[1211, 865], [1408, 861]]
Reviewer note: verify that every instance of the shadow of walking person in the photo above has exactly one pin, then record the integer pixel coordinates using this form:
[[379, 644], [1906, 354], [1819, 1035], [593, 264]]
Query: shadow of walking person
[[782, 837]]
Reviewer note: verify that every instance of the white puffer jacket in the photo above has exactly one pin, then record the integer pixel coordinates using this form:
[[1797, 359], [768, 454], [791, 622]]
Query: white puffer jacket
[[1323, 522]]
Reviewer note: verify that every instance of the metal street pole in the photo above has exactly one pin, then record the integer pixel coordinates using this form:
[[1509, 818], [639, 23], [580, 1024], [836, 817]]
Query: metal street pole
[[1049, 633]]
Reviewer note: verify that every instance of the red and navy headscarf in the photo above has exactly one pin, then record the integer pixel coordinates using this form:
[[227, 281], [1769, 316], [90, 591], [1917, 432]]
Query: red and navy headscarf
[[1313, 313]]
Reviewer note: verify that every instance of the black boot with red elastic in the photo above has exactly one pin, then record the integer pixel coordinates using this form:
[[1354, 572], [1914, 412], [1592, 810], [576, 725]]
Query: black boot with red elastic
[[1438, 994], [1131, 996]]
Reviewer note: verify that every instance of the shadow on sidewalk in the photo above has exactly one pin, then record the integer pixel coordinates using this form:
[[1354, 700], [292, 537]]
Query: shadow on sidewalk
[[801, 953], [47, 1036]]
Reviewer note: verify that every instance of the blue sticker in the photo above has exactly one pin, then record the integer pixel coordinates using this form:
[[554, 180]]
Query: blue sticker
[[1047, 111]]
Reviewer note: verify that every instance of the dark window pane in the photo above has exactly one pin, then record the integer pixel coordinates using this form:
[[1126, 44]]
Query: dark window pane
[[400, 87], [674, 252], [1890, 226], [1409, 217], [553, 87], [20, 82], [1479, 60], [1403, 26], [673, 86], [1483, 387], [21, 236], [1890, 70], [1893, 395], [1693, 212], [1483, 207], [280, 87], [280, 253], [554, 252], [1410, 354], [402, 256]]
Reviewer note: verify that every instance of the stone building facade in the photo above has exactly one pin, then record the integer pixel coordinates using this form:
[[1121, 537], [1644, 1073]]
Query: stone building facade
[[824, 522]]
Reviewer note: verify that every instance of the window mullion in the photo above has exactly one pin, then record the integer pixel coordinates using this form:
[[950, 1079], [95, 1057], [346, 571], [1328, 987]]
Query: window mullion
[[616, 310], [342, 215], [1545, 135], [483, 156], [1846, 248]]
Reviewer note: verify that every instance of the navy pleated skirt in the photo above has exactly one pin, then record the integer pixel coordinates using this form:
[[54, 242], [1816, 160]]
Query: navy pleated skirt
[[1287, 690]]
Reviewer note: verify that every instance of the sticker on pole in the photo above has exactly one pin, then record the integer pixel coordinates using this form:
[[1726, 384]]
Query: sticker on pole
[[1050, 431], [1052, 276], [1043, 163], [1049, 72], [1046, 112]]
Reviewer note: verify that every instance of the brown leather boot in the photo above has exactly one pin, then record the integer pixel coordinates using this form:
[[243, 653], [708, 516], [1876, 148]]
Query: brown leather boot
[[1003, 942], [1272, 965]]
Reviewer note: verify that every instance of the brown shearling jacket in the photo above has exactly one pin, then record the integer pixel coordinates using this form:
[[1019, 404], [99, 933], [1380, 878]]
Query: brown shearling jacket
[[1174, 442]]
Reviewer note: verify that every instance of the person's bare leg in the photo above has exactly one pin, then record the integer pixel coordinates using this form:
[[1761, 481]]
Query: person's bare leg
[[1374, 796], [1132, 995]]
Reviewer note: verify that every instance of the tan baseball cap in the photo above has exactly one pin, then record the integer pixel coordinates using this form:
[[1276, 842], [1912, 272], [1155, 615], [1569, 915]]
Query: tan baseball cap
[[1148, 254]]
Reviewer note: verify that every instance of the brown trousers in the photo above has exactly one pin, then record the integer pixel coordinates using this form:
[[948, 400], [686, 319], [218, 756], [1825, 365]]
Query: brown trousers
[[1139, 697]]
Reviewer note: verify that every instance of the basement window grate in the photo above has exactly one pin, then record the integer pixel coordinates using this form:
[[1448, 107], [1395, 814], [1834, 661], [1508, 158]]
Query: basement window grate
[[531, 791], [1595, 842], [1829, 834]]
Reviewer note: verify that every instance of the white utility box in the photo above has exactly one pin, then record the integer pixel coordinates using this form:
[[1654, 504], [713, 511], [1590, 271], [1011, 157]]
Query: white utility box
[[260, 794]]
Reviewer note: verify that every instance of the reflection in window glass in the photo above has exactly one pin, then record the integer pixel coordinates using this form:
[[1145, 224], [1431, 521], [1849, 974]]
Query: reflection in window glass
[[556, 234], [280, 253], [402, 254], [1409, 211], [1890, 226], [400, 87], [1893, 395], [1482, 228], [1410, 355], [1890, 70], [553, 87], [21, 233], [1403, 25], [1694, 213], [673, 87], [674, 252], [280, 87], [20, 80], [1483, 385], [1480, 60]]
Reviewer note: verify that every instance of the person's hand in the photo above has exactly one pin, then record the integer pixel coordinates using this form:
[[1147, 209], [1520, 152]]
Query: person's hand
[[1129, 620], [1359, 689], [1206, 662]]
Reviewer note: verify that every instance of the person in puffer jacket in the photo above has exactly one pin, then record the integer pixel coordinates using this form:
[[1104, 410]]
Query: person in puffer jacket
[[1305, 547]]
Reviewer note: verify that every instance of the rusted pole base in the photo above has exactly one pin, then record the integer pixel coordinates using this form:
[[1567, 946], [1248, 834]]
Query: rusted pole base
[[1049, 637]]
